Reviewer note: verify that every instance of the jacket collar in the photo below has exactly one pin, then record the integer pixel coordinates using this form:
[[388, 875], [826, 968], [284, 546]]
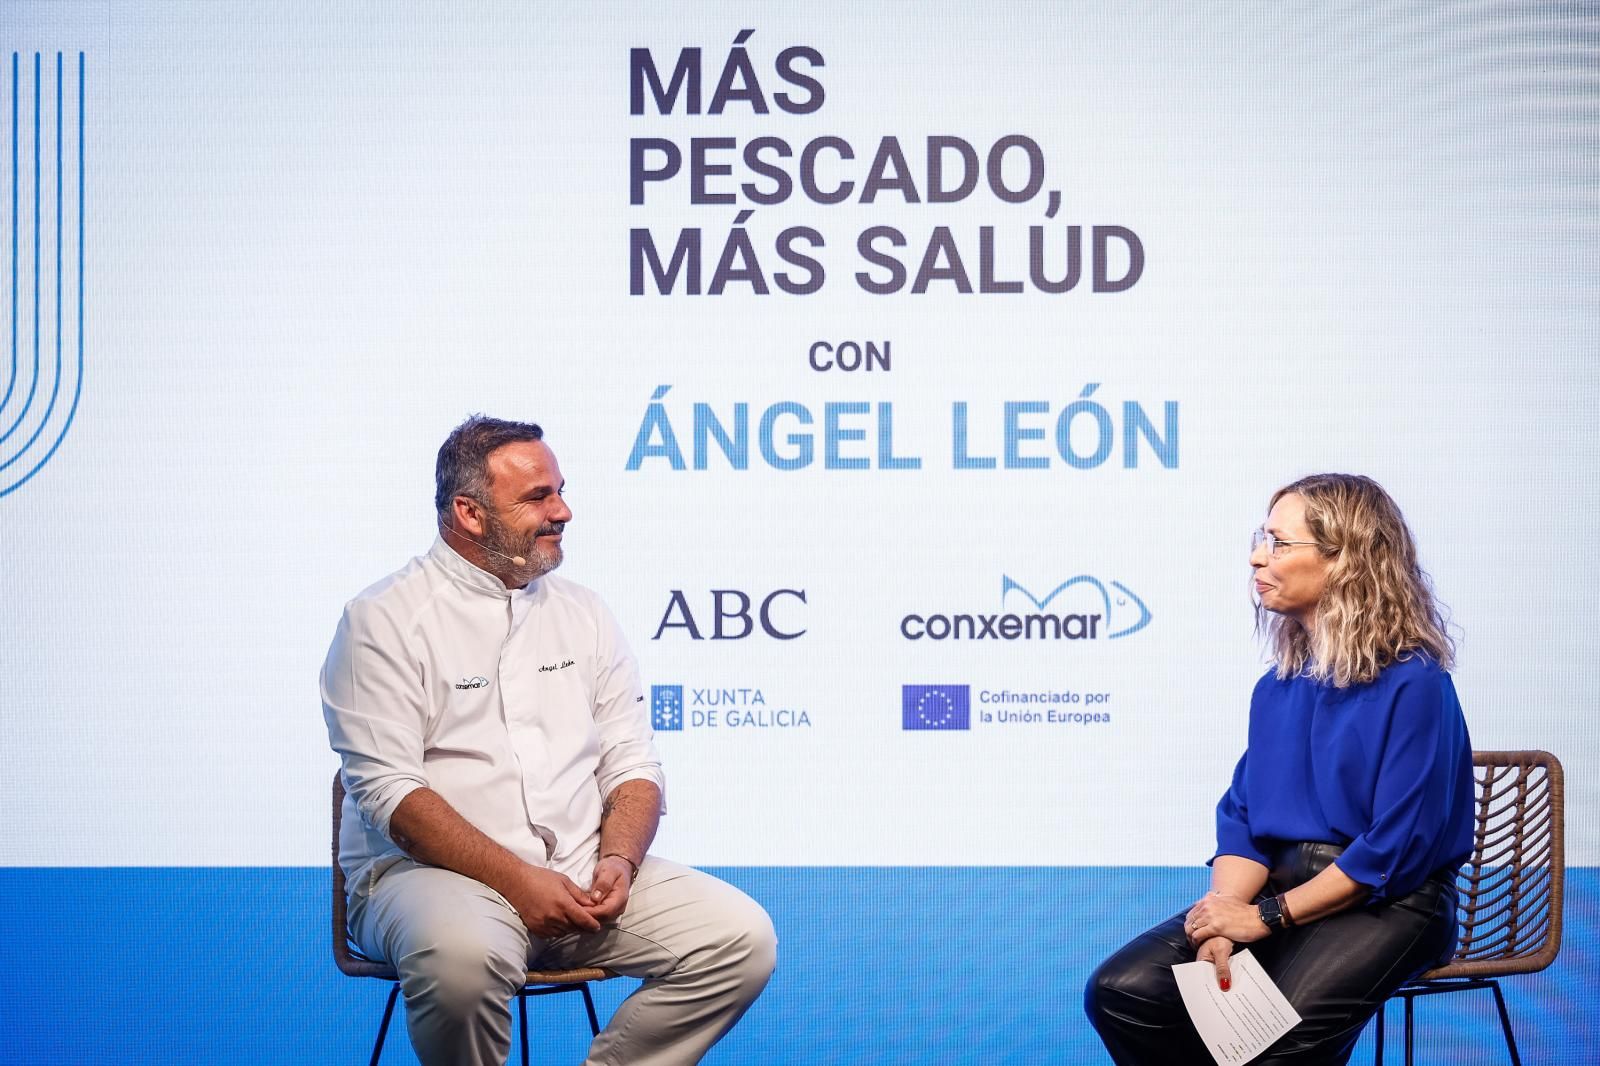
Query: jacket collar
[[465, 573]]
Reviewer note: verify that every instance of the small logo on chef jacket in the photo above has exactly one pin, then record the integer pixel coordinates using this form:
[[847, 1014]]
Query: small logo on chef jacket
[[666, 707], [473, 682]]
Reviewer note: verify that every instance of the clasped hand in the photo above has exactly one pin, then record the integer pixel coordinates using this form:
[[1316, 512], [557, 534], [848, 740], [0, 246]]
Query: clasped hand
[[1217, 922], [552, 904], [1228, 916]]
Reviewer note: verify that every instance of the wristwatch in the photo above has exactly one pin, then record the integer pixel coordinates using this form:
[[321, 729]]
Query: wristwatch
[[1271, 911]]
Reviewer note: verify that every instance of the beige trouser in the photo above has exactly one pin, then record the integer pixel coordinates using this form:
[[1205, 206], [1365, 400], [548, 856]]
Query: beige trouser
[[704, 949]]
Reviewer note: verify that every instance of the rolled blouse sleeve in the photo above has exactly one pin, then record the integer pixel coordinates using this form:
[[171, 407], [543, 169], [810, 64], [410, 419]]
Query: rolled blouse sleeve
[[1417, 796], [1233, 821]]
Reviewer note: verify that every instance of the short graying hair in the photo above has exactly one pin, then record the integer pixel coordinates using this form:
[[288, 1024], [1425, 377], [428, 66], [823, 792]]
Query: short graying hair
[[462, 468]]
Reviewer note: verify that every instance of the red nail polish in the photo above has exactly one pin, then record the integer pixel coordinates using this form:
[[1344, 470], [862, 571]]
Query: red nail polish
[[1226, 984]]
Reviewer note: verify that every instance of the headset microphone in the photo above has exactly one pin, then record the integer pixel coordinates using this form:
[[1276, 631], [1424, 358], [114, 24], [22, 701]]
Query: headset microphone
[[515, 560]]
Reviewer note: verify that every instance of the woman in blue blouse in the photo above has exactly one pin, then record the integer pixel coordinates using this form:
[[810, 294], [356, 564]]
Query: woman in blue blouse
[[1339, 838]]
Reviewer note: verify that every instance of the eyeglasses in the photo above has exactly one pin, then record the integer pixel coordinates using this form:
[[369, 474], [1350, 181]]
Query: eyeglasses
[[1276, 547]]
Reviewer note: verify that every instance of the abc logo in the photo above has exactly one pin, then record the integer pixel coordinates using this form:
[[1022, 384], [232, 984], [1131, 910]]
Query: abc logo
[[731, 617]]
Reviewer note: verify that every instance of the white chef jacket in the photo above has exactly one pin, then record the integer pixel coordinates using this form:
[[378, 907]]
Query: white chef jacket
[[522, 708]]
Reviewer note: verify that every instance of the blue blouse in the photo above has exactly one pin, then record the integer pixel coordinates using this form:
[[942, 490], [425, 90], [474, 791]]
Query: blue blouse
[[1383, 768]]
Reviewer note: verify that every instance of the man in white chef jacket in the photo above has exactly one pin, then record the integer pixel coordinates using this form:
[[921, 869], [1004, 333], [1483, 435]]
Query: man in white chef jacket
[[503, 786]]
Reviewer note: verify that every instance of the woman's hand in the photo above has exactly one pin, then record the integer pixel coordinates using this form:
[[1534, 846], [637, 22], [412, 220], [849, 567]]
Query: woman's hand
[[1217, 951], [1217, 915]]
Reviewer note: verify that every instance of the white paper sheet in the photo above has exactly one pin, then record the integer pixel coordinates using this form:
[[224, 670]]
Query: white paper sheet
[[1239, 1024]]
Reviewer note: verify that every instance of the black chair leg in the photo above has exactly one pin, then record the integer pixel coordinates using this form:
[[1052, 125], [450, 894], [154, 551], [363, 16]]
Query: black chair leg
[[1409, 1001], [1505, 1023], [522, 1009], [383, 1027], [1377, 1059], [594, 1019]]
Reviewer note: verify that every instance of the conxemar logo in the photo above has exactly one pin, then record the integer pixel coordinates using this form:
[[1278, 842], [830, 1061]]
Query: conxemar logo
[[33, 424], [1085, 608]]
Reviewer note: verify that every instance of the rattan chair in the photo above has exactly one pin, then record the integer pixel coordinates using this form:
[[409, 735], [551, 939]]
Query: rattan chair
[[350, 960], [1510, 889]]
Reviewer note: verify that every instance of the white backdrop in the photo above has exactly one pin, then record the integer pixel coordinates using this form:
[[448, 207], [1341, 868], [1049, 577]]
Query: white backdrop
[[315, 240]]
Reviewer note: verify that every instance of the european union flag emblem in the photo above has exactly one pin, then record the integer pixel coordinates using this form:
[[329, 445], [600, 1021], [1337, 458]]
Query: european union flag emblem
[[935, 707], [666, 707]]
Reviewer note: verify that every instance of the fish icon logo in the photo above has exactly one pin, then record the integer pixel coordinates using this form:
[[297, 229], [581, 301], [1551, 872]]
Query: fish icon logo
[[1118, 609]]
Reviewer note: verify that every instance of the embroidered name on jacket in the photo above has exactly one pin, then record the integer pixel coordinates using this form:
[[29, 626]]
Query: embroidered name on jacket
[[562, 665]]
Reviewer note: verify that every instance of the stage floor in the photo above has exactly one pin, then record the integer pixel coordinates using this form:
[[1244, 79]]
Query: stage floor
[[876, 965]]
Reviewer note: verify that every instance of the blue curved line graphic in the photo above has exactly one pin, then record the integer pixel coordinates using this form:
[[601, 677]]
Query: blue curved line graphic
[[1144, 612], [1006, 585], [11, 382], [77, 392], [55, 388], [33, 387]]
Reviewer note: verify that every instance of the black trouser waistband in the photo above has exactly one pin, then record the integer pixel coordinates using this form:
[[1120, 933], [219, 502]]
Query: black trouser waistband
[[1295, 864]]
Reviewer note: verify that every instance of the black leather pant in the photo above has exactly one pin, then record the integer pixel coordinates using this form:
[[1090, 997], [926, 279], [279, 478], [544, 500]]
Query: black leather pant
[[1335, 972]]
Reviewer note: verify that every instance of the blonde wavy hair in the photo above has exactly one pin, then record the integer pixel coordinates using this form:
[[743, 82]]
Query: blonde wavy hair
[[1378, 604]]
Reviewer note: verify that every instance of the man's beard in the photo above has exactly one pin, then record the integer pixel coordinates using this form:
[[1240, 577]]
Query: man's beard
[[498, 538]]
